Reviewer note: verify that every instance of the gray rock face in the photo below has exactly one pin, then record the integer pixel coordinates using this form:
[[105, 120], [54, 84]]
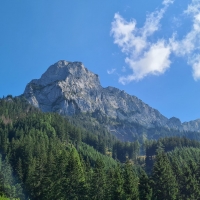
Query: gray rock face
[[175, 123], [69, 88], [62, 88], [192, 125]]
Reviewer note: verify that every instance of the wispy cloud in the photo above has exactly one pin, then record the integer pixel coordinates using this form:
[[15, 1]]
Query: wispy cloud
[[149, 63], [111, 71], [176, 22], [167, 2], [189, 46], [145, 57], [133, 41]]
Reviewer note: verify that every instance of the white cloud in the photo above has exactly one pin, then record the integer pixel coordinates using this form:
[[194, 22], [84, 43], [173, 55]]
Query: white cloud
[[190, 41], [190, 44], [111, 71], [166, 2], [124, 37], [150, 63], [144, 57], [193, 8], [194, 61], [152, 22], [131, 39]]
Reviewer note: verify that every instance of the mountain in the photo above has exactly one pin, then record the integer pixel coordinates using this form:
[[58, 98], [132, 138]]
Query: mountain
[[44, 156], [69, 88]]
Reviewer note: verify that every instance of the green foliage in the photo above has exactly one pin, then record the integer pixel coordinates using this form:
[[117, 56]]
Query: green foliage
[[185, 162], [164, 183], [9, 187], [98, 182], [130, 182], [117, 183], [46, 156], [92, 155], [145, 190]]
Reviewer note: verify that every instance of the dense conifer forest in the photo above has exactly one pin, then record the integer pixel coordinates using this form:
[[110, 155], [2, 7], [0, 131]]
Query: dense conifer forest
[[46, 156]]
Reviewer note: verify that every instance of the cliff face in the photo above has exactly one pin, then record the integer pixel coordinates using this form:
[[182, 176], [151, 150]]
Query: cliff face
[[63, 88], [69, 88]]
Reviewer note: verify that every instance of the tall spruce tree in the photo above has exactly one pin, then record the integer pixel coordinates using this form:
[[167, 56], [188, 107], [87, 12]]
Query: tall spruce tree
[[117, 184], [75, 185], [98, 182], [130, 182], [190, 186], [165, 186], [145, 189]]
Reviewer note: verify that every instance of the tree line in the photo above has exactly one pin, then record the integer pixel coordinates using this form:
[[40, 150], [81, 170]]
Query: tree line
[[46, 156]]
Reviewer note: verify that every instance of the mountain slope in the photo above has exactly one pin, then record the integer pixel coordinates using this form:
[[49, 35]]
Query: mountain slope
[[69, 88]]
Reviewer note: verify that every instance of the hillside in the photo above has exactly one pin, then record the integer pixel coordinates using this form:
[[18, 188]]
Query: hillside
[[44, 156]]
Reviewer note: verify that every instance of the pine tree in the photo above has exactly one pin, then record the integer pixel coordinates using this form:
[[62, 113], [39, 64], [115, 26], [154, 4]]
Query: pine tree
[[98, 182], [48, 178], [190, 185], [177, 171], [164, 183], [130, 182], [59, 177], [117, 184], [145, 189], [75, 186], [19, 169]]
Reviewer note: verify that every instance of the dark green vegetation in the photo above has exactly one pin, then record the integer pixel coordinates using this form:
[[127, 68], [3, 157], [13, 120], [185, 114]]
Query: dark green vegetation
[[46, 156]]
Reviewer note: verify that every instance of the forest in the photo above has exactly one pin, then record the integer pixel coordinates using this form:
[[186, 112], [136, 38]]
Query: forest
[[47, 156]]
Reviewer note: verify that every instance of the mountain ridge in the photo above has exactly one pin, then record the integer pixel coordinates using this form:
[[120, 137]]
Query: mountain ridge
[[69, 88]]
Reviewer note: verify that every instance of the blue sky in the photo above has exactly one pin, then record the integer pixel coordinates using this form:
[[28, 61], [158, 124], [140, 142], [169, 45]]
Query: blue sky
[[150, 49]]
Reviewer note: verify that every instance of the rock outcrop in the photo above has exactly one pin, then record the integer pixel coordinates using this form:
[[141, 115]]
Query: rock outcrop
[[69, 88]]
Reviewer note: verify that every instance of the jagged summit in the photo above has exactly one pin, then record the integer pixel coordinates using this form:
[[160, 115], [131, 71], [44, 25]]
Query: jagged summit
[[62, 70], [56, 89], [69, 88]]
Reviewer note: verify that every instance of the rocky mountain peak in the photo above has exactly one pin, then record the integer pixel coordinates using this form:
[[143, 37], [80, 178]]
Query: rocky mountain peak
[[63, 70], [69, 88], [61, 86]]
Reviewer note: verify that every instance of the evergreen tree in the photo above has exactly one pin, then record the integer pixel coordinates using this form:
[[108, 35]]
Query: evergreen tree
[[145, 189], [75, 187], [98, 182], [165, 186], [177, 171], [190, 186], [130, 182], [117, 184], [48, 179]]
